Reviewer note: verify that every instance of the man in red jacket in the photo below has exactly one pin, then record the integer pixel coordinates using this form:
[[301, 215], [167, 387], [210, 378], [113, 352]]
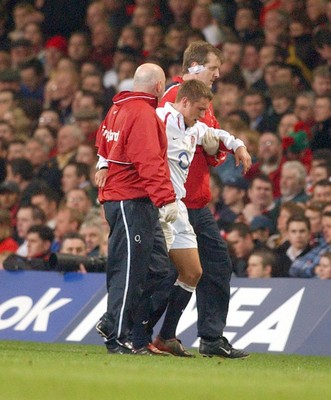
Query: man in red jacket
[[134, 182], [202, 61]]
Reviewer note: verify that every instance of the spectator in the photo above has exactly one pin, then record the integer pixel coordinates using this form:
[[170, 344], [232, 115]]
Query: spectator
[[7, 132], [287, 124], [16, 149], [261, 227], [322, 191], [313, 212], [32, 79], [86, 153], [75, 175], [322, 41], [32, 31], [319, 172], [232, 53], [50, 117], [282, 100], [36, 152], [304, 108], [153, 38], [55, 49], [10, 195], [20, 171], [233, 195], [60, 93], [130, 37], [202, 19], [250, 63], [246, 24], [323, 270], [88, 122], [292, 182], [7, 243], [47, 135], [297, 245], [48, 201], [78, 199], [321, 83], [68, 138], [9, 80], [73, 243], [254, 105], [176, 41], [79, 46], [304, 267], [315, 10], [96, 12], [103, 38], [27, 216], [286, 211], [270, 160], [90, 230], [181, 10], [67, 220], [143, 15], [21, 50], [261, 264], [321, 131], [7, 101], [242, 244], [39, 239], [260, 199]]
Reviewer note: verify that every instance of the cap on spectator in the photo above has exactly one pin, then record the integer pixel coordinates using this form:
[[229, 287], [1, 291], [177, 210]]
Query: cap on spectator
[[9, 75], [296, 142], [85, 115], [237, 182], [20, 43], [260, 222], [58, 42], [9, 187]]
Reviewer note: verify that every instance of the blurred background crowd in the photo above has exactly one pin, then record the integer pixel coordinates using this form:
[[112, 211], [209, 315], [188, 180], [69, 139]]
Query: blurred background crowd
[[62, 61]]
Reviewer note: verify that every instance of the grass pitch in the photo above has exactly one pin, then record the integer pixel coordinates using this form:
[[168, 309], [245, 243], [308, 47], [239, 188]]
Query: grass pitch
[[35, 371]]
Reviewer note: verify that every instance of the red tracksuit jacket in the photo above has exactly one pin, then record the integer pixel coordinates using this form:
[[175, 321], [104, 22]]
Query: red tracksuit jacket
[[132, 138]]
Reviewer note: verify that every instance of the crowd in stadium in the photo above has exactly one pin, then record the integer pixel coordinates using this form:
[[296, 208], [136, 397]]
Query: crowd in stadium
[[61, 63]]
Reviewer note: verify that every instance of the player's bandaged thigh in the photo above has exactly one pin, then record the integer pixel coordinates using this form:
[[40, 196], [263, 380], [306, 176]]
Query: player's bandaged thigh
[[184, 236]]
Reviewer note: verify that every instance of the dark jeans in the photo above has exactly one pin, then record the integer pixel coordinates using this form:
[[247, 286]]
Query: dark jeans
[[213, 290]]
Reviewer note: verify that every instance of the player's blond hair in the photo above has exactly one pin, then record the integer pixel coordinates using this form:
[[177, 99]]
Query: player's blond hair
[[194, 90]]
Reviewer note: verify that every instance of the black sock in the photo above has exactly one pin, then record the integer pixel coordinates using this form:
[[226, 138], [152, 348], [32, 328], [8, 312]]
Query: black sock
[[178, 300]]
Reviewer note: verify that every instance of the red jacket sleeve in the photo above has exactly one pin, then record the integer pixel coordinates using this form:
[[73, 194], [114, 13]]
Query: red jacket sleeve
[[147, 150]]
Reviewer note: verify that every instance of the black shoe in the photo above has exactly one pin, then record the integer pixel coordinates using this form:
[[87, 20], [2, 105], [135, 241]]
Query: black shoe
[[117, 347], [103, 326], [220, 347]]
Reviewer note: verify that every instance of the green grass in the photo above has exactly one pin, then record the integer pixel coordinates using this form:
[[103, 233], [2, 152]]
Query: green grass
[[33, 371]]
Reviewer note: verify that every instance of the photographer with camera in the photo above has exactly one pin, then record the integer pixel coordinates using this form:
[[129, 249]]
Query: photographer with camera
[[39, 239], [73, 256]]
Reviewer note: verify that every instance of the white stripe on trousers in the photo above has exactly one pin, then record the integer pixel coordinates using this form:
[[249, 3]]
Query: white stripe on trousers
[[127, 271]]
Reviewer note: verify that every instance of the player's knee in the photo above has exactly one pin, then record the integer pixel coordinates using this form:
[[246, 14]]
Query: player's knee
[[192, 277]]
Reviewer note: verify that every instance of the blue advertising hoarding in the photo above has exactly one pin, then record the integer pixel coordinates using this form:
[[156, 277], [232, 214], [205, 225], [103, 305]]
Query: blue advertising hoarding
[[266, 315]]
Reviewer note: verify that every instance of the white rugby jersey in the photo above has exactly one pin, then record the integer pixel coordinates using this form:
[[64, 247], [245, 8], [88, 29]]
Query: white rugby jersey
[[182, 143]]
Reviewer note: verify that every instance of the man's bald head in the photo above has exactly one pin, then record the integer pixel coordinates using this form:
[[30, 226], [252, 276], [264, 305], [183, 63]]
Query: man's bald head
[[149, 78]]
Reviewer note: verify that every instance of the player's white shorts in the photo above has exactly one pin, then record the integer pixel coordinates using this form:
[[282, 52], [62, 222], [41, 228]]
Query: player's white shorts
[[179, 234]]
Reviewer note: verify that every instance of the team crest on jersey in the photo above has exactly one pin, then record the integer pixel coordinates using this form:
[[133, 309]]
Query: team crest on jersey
[[110, 135]]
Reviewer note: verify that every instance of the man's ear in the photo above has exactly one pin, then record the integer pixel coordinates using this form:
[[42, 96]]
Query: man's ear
[[185, 101]]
